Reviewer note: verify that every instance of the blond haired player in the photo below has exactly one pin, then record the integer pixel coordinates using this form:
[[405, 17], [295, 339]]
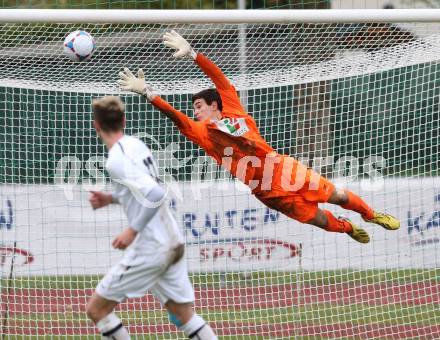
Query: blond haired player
[[154, 261], [230, 135]]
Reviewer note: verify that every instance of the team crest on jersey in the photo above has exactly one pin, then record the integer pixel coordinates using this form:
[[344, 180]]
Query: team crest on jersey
[[233, 126]]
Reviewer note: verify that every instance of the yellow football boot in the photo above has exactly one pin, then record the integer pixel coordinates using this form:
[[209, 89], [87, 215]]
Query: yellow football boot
[[357, 234], [386, 221]]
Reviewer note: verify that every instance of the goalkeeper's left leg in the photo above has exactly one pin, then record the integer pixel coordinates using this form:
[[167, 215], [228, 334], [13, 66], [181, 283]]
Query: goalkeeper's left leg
[[350, 201]]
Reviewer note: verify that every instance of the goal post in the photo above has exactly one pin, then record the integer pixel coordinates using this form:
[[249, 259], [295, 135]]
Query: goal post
[[353, 94]]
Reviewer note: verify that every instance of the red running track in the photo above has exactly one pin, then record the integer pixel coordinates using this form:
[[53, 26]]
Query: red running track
[[72, 302]]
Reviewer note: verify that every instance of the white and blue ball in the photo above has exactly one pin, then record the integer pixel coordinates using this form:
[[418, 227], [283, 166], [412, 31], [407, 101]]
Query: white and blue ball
[[79, 46]]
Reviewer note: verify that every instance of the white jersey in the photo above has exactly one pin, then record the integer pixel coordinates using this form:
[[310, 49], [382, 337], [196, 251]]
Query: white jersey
[[149, 264], [134, 173]]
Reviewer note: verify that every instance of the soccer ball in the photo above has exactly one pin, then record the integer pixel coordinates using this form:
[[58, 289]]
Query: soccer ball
[[79, 46]]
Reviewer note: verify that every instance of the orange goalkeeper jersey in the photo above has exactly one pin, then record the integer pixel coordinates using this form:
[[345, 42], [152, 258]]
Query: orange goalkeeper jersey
[[235, 136]]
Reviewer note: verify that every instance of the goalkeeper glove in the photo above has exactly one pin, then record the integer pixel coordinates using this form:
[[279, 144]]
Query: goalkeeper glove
[[174, 40], [129, 82]]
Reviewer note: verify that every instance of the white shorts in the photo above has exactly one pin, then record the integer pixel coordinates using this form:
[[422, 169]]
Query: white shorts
[[135, 275]]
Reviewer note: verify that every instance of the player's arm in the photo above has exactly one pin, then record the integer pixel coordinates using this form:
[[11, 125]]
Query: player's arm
[[129, 82], [230, 99], [148, 193], [100, 199], [151, 203], [124, 239]]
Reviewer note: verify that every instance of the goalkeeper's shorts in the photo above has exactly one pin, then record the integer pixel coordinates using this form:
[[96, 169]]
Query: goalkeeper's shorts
[[302, 204], [159, 274]]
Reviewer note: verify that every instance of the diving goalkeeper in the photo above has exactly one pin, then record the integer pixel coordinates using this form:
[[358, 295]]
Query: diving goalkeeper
[[230, 135]]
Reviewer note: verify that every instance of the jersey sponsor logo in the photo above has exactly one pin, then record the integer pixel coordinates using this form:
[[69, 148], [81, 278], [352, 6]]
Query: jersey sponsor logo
[[233, 126]]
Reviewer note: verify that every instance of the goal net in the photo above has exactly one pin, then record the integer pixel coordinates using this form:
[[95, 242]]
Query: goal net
[[358, 102]]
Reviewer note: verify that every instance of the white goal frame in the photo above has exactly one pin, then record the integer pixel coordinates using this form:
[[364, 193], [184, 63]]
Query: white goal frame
[[218, 16]]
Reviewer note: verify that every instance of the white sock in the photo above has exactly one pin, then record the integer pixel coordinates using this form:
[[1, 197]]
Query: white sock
[[112, 328], [197, 328]]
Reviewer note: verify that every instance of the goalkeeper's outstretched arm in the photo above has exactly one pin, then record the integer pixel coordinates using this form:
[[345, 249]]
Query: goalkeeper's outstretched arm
[[227, 91], [137, 84], [129, 82], [174, 40]]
